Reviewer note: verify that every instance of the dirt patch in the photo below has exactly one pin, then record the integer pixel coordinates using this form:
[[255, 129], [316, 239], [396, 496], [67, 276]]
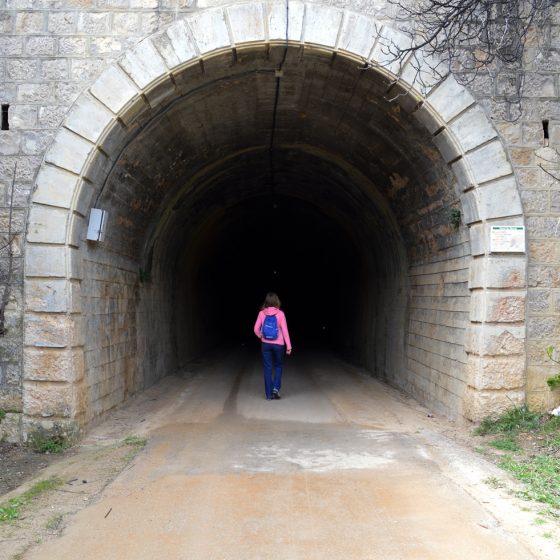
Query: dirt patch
[[19, 463], [82, 475]]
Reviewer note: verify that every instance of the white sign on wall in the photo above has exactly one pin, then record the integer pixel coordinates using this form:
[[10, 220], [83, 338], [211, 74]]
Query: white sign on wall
[[507, 239]]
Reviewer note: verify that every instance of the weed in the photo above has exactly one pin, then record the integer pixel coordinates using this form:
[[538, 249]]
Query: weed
[[516, 419], [135, 441], [506, 443], [494, 482], [48, 443], [2, 414], [547, 535], [541, 475], [54, 523], [11, 509]]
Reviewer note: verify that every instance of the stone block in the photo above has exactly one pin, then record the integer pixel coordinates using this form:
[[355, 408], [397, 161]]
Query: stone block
[[89, 118], [499, 199], [33, 93], [472, 128], [46, 295], [86, 70], [47, 225], [23, 116], [478, 239], [35, 142], [447, 146], [22, 69], [469, 207], [48, 400], [505, 307], [506, 272], [54, 69], [276, 14], [126, 23], [72, 46], [209, 30], [246, 22], [543, 327], [114, 89], [537, 202], [53, 364], [69, 151], [449, 99], [489, 162], [544, 251], [50, 116], [537, 376], [542, 227], [62, 23], [502, 372], [176, 46], [49, 330], [538, 301], [40, 46], [94, 23], [383, 53], [463, 173], [477, 301], [45, 261], [55, 187], [544, 276], [479, 404], [10, 427], [495, 340], [10, 142], [358, 34], [11, 46], [161, 92]]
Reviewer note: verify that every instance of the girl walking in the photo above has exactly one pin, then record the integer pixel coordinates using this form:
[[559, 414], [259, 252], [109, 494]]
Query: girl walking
[[272, 329]]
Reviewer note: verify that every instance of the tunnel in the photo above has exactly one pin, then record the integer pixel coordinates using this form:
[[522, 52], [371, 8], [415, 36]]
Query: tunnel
[[276, 169]]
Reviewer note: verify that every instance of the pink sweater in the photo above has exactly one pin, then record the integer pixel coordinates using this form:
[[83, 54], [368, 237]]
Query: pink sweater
[[283, 335]]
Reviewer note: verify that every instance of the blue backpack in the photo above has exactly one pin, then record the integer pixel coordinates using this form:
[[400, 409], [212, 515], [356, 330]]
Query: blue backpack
[[270, 328]]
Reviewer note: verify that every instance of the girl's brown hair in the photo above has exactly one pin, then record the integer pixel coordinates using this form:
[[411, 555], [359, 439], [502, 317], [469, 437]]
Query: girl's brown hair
[[271, 300]]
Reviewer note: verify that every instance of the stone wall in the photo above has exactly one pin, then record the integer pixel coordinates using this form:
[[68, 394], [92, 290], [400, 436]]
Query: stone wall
[[51, 50]]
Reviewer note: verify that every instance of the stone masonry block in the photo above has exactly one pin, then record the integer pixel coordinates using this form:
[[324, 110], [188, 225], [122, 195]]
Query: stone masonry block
[[321, 25], [246, 22], [209, 30], [477, 301], [505, 307], [46, 295], [277, 21], [48, 399], [53, 364], [495, 340], [88, 118], [176, 45], [478, 239], [388, 39], [498, 372], [477, 273], [143, 64], [472, 128], [114, 88], [55, 187], [48, 330], [447, 146], [469, 207], [462, 171], [479, 404], [489, 162], [45, 261], [506, 272], [47, 225], [358, 34], [69, 151], [449, 99], [499, 199]]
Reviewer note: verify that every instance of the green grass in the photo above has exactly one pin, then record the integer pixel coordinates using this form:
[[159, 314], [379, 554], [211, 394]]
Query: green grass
[[541, 474], [516, 419], [135, 441], [505, 443], [11, 509], [48, 444]]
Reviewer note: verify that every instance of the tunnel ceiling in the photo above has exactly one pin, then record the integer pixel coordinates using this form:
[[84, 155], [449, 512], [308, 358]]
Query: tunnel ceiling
[[335, 139]]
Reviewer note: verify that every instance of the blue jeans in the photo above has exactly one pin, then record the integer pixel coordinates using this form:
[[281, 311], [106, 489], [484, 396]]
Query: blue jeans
[[273, 354]]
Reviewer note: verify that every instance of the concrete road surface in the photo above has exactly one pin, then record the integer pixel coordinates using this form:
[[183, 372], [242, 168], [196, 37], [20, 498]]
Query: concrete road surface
[[340, 468]]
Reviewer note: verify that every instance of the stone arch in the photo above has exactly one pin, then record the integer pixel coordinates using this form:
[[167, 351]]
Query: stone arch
[[80, 156]]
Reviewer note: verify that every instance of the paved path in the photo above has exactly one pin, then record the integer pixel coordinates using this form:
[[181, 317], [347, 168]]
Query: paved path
[[337, 469]]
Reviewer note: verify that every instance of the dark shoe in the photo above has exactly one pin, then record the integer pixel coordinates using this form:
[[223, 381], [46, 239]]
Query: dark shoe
[[276, 395]]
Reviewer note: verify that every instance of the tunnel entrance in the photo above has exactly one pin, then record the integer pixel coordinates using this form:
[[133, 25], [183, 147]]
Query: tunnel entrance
[[223, 180]]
